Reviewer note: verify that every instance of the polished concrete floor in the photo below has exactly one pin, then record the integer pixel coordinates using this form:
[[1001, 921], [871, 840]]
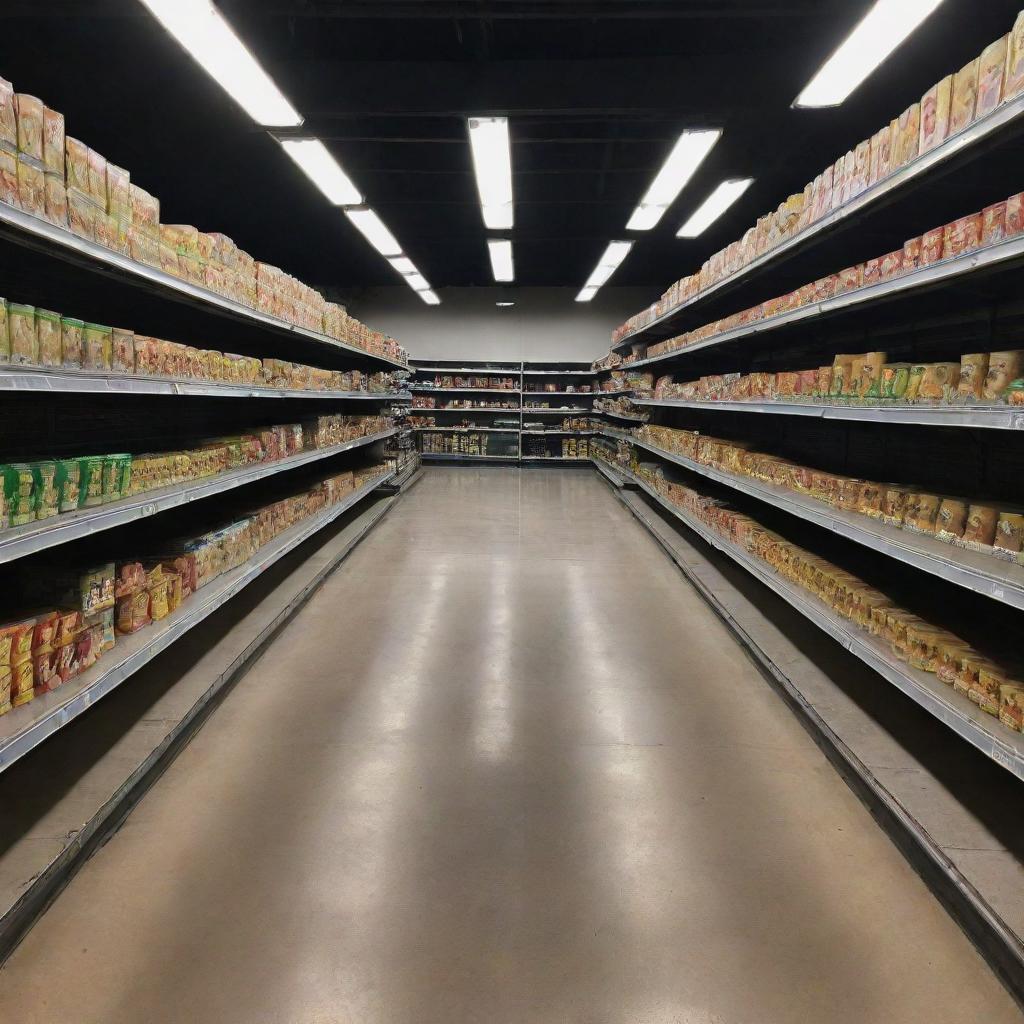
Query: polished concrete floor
[[505, 767]]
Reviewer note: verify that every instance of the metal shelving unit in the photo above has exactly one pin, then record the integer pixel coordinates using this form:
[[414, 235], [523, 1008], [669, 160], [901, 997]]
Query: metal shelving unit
[[973, 570], [996, 417], [1000, 256], [21, 541], [470, 430], [24, 728], [424, 390], [958, 713], [62, 244], [973, 137], [459, 456], [70, 382]]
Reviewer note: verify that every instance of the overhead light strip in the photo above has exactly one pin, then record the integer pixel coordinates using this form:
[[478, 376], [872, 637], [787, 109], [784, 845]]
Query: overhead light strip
[[714, 206], [323, 170], [492, 165], [679, 167], [502, 265], [880, 31], [202, 30], [609, 262]]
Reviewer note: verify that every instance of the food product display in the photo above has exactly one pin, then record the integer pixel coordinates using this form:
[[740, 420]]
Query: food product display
[[972, 524], [92, 608], [923, 646], [39, 490], [50, 175], [623, 408], [460, 444], [39, 337], [994, 77], [424, 402], [979, 379], [953, 240], [449, 382]]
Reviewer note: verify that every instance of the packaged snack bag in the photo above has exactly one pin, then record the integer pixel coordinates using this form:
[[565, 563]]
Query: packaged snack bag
[[122, 350], [1013, 84], [90, 483], [48, 337], [965, 96], [5, 338], [53, 142], [31, 187], [21, 327], [132, 612], [71, 350], [117, 197], [993, 224], [973, 369], [1015, 215], [980, 531], [5, 689], [116, 477], [1011, 705], [98, 179], [951, 520], [939, 382], [1009, 533], [842, 375], [19, 493], [30, 125], [22, 678], [894, 380], [9, 178], [97, 347], [82, 213], [145, 211], [43, 631], [871, 375], [159, 607], [8, 117], [96, 590], [907, 137], [55, 199], [991, 73], [44, 479], [932, 246], [872, 272], [962, 235], [76, 165], [935, 106], [1003, 369], [917, 372]]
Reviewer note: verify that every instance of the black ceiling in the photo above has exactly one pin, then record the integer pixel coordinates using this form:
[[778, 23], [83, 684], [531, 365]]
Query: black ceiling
[[596, 92]]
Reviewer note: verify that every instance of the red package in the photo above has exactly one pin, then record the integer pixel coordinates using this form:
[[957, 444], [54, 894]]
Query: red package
[[45, 630], [891, 265], [993, 224], [1015, 215], [67, 664], [45, 676], [931, 246], [132, 612], [872, 272], [849, 279], [130, 579], [911, 255], [962, 235]]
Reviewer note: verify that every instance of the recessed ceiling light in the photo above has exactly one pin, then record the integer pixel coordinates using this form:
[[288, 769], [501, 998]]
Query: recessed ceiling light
[[211, 41], [492, 165], [687, 155], [323, 170], [504, 303], [375, 231], [417, 282], [429, 298], [879, 32], [501, 259], [586, 293], [714, 206], [403, 265]]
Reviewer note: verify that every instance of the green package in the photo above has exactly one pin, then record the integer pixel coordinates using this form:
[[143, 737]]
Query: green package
[[44, 479], [68, 476], [19, 494], [97, 346], [117, 471], [1015, 387], [5, 338], [21, 333], [96, 588], [90, 481], [71, 342], [916, 375], [48, 337]]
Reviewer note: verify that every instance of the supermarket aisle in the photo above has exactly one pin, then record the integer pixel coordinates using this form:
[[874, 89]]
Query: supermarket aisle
[[503, 767]]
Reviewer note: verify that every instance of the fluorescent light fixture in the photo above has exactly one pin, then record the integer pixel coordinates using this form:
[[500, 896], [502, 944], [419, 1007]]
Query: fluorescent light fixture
[[714, 206], [492, 165], [203, 32], [879, 32], [403, 265], [687, 155], [323, 170], [501, 259], [609, 262], [429, 298], [504, 303], [417, 282], [375, 231]]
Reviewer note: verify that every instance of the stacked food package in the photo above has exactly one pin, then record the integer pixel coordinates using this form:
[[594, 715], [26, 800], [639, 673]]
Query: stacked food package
[[621, 407], [33, 491], [454, 444], [575, 448], [978, 379], [471, 383], [947, 108], [986, 527], [996, 688], [962, 236], [33, 337], [59, 179], [533, 388], [90, 609]]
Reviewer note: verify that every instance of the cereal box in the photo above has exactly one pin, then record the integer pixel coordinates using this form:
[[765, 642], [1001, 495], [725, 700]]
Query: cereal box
[[1013, 83], [991, 72], [965, 96], [935, 114]]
